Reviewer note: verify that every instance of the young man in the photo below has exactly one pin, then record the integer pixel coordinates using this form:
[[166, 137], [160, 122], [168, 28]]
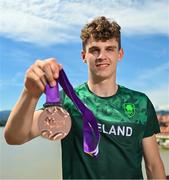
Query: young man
[[126, 119]]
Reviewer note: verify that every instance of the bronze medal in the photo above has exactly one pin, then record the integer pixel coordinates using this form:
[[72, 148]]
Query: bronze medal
[[54, 123]]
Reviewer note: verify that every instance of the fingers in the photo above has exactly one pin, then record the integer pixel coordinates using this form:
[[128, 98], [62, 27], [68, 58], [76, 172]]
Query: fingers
[[49, 75], [55, 70], [39, 73], [33, 82], [51, 69]]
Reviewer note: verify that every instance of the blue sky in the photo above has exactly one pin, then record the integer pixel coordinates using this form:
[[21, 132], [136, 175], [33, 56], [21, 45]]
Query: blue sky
[[39, 29]]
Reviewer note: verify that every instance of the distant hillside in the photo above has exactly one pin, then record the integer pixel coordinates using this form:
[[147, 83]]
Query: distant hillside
[[163, 112], [3, 117]]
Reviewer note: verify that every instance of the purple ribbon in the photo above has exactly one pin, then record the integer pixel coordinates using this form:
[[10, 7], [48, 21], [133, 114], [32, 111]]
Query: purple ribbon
[[52, 94], [91, 135]]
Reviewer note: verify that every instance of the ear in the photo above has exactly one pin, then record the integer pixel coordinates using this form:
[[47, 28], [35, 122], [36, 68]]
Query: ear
[[83, 55], [121, 54]]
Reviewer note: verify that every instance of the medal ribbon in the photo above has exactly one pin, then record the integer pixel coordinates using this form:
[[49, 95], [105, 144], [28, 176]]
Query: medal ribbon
[[52, 95], [91, 135]]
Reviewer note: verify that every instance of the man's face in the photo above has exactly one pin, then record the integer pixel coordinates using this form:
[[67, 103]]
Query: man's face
[[102, 58]]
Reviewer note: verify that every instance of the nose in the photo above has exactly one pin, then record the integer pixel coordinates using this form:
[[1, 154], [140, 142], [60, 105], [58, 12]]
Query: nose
[[102, 55]]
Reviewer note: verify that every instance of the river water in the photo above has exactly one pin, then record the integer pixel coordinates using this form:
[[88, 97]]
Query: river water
[[39, 159]]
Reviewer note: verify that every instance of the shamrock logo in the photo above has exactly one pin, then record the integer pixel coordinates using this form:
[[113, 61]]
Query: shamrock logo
[[129, 109]]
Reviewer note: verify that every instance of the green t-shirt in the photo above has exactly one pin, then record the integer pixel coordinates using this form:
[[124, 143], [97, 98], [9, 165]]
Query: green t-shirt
[[124, 119]]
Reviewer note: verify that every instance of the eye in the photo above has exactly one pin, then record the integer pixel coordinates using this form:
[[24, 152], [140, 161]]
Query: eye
[[94, 51], [110, 49]]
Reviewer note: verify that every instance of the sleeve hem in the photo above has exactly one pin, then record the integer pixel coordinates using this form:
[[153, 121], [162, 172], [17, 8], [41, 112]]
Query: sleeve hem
[[151, 134]]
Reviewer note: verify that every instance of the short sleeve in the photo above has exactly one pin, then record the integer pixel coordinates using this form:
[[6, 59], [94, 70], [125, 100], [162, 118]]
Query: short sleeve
[[152, 125]]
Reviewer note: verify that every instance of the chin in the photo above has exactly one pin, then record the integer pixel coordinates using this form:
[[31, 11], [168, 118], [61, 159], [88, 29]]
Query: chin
[[102, 77]]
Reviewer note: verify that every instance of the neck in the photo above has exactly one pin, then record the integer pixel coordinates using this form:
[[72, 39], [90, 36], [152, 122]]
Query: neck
[[103, 88]]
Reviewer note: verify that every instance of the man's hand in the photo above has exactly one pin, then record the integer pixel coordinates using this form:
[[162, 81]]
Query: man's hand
[[41, 72], [22, 124]]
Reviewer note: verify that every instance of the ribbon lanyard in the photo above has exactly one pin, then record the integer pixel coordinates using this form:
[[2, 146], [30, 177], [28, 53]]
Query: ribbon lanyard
[[91, 135], [52, 95]]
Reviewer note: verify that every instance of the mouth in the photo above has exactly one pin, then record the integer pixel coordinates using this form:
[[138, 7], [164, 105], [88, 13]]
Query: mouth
[[102, 65]]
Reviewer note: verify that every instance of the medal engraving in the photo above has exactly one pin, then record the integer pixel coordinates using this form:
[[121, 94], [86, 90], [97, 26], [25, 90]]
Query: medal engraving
[[54, 123]]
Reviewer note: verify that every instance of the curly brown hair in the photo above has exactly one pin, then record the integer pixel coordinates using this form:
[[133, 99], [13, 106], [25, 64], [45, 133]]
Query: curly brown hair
[[100, 29]]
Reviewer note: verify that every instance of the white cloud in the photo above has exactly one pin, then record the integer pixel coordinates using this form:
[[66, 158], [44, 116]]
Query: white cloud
[[154, 82], [156, 90], [46, 22], [159, 97], [154, 72], [149, 77]]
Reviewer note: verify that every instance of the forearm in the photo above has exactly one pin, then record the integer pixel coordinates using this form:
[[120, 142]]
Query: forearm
[[156, 171], [19, 122]]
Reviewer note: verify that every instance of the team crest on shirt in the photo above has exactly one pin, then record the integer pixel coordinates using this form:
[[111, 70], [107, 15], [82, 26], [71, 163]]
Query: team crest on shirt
[[129, 109]]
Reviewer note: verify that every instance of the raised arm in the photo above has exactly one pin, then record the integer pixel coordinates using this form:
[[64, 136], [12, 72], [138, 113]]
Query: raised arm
[[22, 123]]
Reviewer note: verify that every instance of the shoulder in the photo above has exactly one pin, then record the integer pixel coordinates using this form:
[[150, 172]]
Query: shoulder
[[133, 93]]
